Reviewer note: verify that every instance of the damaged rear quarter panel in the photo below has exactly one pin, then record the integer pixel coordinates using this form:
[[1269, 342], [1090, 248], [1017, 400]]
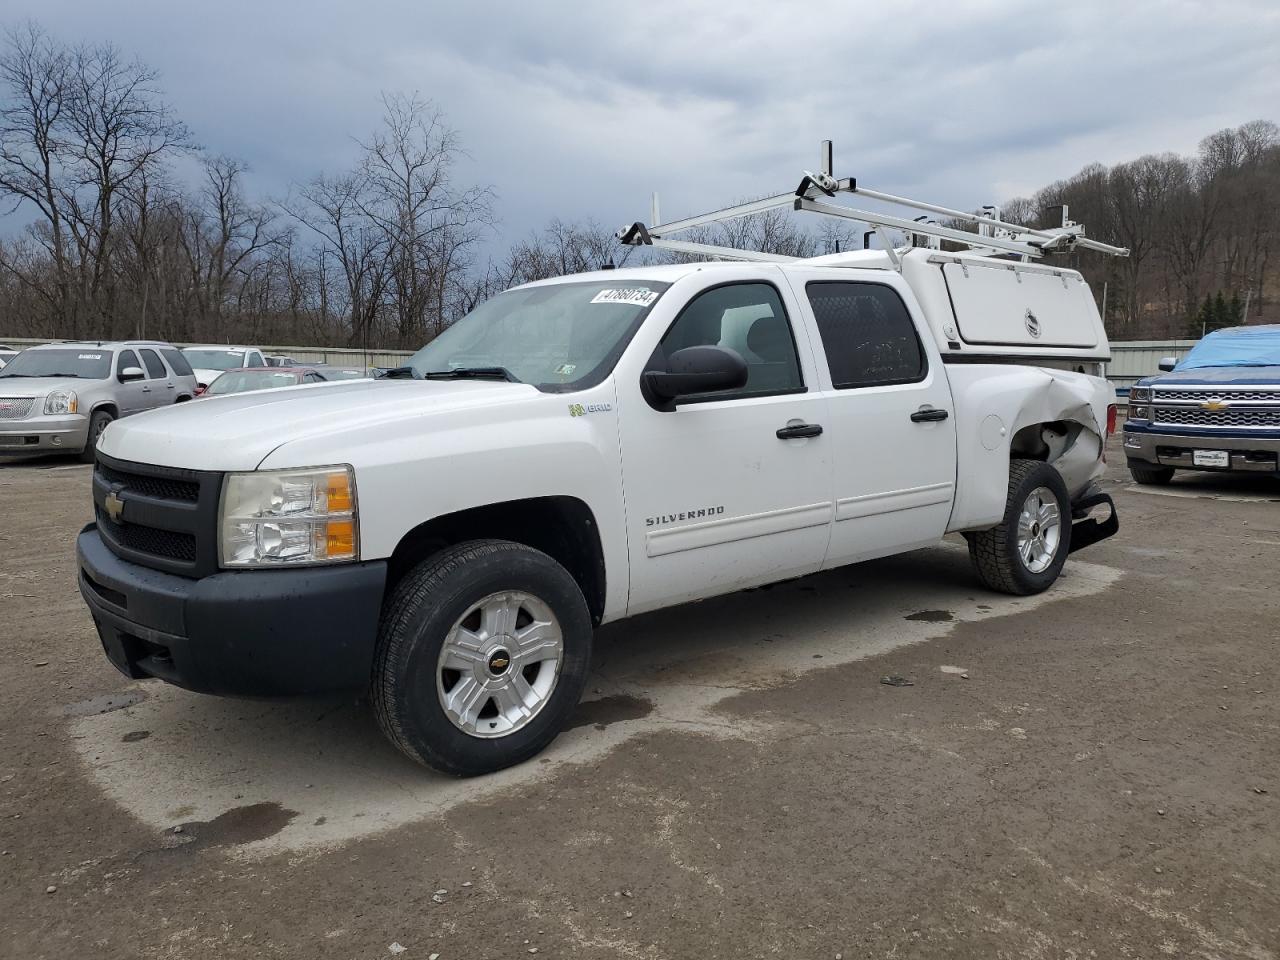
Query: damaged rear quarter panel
[[1019, 396]]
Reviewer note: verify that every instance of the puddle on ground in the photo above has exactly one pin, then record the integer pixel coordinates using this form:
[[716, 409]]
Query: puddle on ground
[[609, 710], [931, 616], [255, 821]]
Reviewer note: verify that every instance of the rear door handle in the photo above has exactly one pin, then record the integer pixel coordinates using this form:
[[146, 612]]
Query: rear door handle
[[929, 416], [799, 431]]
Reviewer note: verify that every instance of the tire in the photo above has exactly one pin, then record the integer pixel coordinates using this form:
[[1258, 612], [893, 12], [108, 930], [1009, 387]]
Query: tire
[[995, 553], [460, 597], [1150, 476], [100, 420]]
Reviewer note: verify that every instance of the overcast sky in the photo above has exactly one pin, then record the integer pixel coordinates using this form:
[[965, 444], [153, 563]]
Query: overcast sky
[[581, 110]]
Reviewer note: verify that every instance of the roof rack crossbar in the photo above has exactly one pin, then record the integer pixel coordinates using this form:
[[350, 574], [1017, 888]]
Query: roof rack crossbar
[[994, 234], [913, 226]]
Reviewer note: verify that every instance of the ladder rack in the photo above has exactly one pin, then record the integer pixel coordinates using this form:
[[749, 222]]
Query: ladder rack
[[817, 190]]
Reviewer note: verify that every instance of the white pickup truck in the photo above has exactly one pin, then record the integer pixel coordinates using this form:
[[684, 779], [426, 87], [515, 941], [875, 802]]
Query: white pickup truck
[[587, 448]]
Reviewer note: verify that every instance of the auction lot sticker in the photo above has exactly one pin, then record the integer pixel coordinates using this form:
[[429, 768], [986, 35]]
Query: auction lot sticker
[[634, 296]]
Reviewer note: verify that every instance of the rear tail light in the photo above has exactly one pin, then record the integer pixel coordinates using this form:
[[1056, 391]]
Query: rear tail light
[[201, 388], [1111, 419]]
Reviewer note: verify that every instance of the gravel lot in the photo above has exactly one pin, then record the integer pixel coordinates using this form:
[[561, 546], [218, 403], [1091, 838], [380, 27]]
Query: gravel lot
[[1092, 772]]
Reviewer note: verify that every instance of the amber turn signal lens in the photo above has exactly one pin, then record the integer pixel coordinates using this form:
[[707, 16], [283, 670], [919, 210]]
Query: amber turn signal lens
[[338, 493], [340, 539]]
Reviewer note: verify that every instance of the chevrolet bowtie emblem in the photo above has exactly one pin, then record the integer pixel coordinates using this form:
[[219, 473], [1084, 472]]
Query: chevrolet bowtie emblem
[[114, 506], [1213, 405]]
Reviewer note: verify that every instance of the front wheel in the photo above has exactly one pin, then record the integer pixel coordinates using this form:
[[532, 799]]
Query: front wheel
[[1026, 552], [483, 652], [100, 420]]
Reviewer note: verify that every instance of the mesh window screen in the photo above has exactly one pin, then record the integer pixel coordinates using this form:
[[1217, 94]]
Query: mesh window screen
[[867, 334]]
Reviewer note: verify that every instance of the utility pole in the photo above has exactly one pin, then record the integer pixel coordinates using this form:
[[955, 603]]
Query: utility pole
[[1247, 294]]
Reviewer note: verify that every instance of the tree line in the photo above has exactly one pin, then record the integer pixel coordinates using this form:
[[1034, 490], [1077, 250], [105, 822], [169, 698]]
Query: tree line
[[388, 252]]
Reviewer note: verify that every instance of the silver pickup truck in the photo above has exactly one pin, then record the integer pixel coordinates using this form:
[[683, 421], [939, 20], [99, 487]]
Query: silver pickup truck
[[58, 398], [1216, 409]]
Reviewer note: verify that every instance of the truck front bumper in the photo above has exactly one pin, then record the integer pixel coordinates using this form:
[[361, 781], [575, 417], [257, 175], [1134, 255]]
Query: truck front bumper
[[1255, 454], [67, 434], [241, 633]]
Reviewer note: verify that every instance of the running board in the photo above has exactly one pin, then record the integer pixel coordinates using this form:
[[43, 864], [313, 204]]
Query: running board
[[1086, 531]]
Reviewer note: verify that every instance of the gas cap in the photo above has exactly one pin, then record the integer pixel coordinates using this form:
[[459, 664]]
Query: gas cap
[[992, 432]]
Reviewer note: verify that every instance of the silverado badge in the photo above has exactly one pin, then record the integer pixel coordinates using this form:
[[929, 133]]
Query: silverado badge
[[114, 507]]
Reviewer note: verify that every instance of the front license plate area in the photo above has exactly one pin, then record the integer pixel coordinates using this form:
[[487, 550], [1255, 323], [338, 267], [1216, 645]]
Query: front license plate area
[[1211, 458]]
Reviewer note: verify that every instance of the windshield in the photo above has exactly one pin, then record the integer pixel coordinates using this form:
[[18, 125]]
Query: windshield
[[561, 336], [214, 359], [1239, 347], [82, 363], [240, 381]]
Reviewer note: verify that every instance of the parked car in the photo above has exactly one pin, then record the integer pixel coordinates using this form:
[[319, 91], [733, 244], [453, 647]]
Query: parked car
[[276, 360], [341, 372], [1216, 409], [248, 379], [60, 397], [211, 360]]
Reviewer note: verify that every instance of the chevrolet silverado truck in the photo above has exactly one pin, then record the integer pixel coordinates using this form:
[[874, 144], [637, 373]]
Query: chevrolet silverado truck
[[1217, 409], [588, 448]]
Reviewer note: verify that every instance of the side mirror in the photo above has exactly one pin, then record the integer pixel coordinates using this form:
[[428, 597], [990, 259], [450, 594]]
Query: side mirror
[[129, 374], [694, 370], [1167, 363]]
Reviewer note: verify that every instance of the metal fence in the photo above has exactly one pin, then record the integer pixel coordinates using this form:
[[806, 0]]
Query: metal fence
[[1131, 360]]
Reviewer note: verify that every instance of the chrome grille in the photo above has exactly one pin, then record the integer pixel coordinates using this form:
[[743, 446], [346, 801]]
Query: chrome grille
[[1230, 417], [1198, 396], [15, 408]]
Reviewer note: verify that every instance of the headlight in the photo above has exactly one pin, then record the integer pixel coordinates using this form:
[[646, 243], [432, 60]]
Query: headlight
[[1139, 413], [1139, 398], [289, 517], [60, 401]]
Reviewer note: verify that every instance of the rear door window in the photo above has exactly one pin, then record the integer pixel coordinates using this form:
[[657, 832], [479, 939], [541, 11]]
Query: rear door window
[[255, 360], [867, 334], [177, 362], [155, 369]]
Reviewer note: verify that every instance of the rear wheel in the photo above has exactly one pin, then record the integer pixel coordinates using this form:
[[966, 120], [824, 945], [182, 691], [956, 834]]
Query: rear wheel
[[100, 420], [482, 655], [1026, 552], [1151, 476]]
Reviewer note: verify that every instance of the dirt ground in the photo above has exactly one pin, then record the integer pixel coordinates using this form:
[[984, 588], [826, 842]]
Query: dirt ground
[[1090, 773]]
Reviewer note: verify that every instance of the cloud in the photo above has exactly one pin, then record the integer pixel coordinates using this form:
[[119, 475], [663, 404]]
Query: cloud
[[577, 110]]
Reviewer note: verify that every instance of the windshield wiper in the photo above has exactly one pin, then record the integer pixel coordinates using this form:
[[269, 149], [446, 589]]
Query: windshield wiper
[[472, 373]]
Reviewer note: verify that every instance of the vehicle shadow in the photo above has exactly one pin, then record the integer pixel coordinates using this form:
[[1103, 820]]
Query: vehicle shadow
[[175, 757]]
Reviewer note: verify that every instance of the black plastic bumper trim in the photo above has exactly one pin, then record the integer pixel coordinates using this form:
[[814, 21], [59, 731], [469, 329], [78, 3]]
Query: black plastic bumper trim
[[239, 633], [1087, 531]]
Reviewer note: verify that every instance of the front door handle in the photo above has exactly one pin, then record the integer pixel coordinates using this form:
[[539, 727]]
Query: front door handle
[[931, 415], [798, 431], [146, 389]]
